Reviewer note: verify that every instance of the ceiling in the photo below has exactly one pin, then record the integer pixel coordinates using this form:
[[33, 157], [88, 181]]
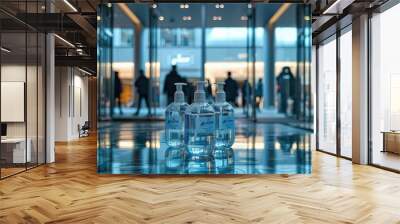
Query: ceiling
[[231, 15]]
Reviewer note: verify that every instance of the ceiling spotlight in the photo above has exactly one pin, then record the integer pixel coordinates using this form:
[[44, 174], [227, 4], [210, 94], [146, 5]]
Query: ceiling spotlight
[[187, 18], [161, 18], [184, 6], [307, 18], [219, 6], [249, 6], [244, 18], [109, 5], [43, 7], [98, 18], [154, 6]]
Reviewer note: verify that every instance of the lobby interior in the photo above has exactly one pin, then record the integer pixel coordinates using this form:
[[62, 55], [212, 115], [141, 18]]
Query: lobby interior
[[317, 126]]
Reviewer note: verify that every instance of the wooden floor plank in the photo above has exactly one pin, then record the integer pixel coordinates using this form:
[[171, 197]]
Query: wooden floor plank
[[70, 191]]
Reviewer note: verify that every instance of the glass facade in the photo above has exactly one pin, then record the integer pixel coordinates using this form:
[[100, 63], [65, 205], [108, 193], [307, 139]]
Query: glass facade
[[22, 77], [327, 92], [346, 93], [385, 89], [334, 75]]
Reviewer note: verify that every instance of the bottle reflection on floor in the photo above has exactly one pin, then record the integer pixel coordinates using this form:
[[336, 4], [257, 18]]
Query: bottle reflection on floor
[[179, 161], [224, 160], [140, 148], [200, 164], [175, 160]]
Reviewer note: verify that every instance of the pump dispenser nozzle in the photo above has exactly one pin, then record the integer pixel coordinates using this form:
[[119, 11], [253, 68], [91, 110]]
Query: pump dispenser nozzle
[[221, 97], [179, 97], [200, 94]]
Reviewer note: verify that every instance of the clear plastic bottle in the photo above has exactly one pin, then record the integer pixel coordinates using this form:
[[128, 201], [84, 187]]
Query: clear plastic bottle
[[200, 124], [174, 118], [225, 119]]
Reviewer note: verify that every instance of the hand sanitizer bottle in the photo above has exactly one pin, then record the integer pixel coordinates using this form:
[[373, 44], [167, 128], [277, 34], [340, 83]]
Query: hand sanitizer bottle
[[174, 118], [200, 125], [225, 119]]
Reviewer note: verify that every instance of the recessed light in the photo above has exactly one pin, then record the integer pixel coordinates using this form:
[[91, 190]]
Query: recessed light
[[307, 18], [65, 41], [249, 6], [98, 18], [244, 18], [5, 49], [154, 6], [186, 18], [161, 18], [70, 5], [221, 6]]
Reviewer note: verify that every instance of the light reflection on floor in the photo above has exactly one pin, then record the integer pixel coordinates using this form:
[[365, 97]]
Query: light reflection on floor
[[140, 148]]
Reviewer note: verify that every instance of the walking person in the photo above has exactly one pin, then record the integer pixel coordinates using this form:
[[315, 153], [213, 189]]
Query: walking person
[[246, 95], [169, 84], [231, 90], [259, 93], [286, 89], [142, 85], [117, 91]]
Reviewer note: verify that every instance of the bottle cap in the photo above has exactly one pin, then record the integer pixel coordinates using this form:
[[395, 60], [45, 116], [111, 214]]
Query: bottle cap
[[200, 94], [221, 97], [179, 96]]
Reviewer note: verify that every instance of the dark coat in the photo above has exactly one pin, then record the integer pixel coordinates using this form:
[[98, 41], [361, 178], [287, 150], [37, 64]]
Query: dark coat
[[142, 85]]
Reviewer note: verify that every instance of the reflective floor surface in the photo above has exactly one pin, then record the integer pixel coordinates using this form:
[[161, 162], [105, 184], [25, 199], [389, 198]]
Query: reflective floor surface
[[139, 148]]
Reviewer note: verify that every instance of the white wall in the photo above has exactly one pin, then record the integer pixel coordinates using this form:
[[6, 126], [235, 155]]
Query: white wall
[[71, 102]]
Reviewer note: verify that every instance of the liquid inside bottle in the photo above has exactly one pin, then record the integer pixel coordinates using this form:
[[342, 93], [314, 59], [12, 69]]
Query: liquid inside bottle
[[225, 119], [225, 130], [174, 119], [200, 125]]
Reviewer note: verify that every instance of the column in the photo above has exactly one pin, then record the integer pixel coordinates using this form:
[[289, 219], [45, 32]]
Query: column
[[360, 90], [269, 99], [50, 98]]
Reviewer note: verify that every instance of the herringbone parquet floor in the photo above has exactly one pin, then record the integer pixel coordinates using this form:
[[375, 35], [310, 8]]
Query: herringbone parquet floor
[[70, 191]]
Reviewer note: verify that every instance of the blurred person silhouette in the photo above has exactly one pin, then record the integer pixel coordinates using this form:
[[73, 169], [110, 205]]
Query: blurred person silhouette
[[208, 91], [142, 88], [246, 94], [286, 88], [117, 91], [169, 83], [259, 93], [231, 89], [188, 90]]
